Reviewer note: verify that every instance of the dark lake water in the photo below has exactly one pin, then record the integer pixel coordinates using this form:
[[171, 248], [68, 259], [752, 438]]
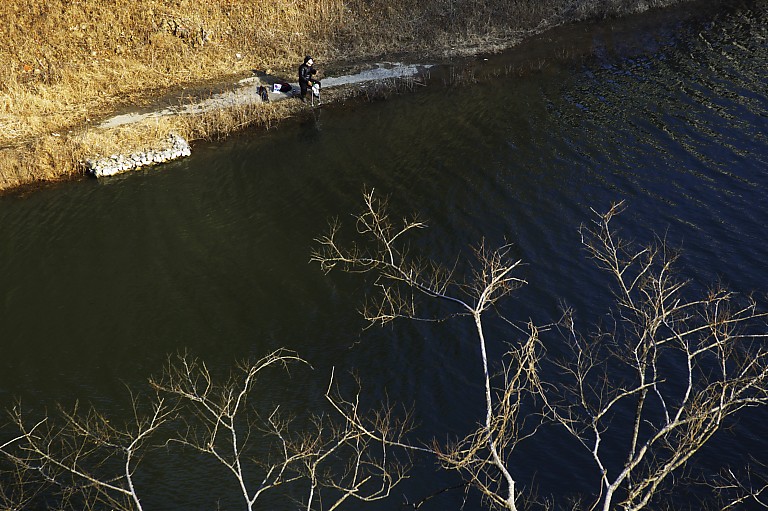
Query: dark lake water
[[102, 280]]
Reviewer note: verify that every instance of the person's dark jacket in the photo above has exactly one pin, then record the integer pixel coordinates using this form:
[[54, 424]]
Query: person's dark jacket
[[305, 74]]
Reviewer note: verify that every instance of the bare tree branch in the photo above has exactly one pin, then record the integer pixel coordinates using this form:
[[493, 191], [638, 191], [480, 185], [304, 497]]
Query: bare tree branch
[[678, 367], [739, 490], [219, 421], [88, 461], [657, 333], [398, 279], [339, 461], [84, 455]]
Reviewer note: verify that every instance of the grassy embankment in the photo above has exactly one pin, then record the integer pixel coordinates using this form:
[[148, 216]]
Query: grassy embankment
[[69, 63]]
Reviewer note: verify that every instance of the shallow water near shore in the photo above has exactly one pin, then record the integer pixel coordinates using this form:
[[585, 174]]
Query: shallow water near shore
[[102, 280]]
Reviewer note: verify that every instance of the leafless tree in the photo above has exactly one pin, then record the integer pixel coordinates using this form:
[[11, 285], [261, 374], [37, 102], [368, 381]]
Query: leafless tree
[[322, 463], [363, 445], [739, 490], [326, 457], [85, 458], [400, 278], [680, 366], [219, 421], [18, 487]]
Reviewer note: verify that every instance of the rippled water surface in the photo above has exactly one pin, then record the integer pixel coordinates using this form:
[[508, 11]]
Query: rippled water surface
[[666, 111]]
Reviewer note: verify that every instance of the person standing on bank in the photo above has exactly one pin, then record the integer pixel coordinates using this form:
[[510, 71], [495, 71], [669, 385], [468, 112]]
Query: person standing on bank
[[306, 73]]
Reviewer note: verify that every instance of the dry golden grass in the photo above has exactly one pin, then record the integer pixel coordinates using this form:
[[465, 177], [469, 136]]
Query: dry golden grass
[[68, 63]]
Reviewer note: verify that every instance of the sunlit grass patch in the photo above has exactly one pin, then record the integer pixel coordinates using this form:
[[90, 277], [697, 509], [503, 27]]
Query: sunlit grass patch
[[66, 64]]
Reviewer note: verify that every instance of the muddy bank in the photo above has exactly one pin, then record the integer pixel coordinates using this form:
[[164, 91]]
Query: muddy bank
[[246, 91], [259, 89]]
